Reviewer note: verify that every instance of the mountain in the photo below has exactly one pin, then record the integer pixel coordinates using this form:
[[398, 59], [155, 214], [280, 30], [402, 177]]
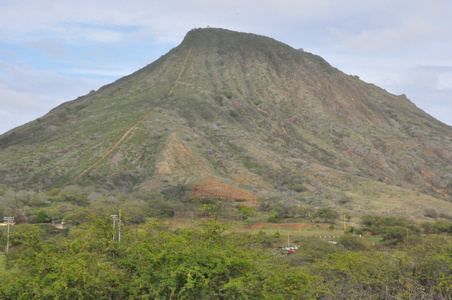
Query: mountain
[[240, 117]]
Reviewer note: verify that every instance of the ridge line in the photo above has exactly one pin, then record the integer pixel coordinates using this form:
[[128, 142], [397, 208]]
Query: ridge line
[[133, 127]]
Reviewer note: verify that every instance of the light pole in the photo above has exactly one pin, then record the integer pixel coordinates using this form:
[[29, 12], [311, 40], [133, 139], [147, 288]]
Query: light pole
[[345, 224], [406, 237], [119, 231], [119, 227], [8, 220], [114, 217]]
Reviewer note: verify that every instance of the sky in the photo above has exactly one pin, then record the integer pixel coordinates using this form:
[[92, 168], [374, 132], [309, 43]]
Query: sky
[[53, 51]]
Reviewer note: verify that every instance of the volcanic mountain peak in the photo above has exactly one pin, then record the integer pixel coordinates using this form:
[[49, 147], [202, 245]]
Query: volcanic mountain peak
[[241, 117]]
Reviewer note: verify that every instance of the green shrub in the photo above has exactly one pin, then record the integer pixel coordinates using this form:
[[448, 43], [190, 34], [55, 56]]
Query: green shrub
[[42, 217], [353, 230], [273, 218], [218, 99], [246, 211], [227, 94], [233, 114], [329, 215], [353, 242], [431, 213], [298, 188]]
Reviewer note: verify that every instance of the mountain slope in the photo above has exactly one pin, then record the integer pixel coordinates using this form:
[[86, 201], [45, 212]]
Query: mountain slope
[[240, 116]]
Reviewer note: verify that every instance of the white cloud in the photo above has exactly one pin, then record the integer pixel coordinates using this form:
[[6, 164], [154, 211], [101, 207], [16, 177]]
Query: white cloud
[[27, 93], [396, 37], [50, 44]]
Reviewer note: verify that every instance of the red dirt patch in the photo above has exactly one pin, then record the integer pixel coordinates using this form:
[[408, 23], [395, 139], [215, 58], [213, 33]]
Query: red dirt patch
[[213, 188], [280, 225]]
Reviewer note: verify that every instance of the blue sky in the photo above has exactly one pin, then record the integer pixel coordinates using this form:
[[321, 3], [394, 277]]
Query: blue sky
[[52, 51]]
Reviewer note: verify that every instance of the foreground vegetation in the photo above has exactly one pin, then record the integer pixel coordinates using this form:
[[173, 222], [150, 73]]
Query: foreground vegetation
[[376, 257], [214, 261], [149, 262]]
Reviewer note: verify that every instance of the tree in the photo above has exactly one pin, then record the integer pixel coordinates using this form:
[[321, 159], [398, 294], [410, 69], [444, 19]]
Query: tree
[[329, 215], [353, 242], [245, 211], [42, 217], [283, 211], [397, 234]]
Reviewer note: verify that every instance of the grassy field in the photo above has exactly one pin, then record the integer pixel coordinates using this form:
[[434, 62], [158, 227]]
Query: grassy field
[[293, 232], [289, 233], [377, 240]]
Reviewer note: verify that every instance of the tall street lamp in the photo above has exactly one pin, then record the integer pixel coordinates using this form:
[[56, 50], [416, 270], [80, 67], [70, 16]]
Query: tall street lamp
[[8, 220], [119, 231]]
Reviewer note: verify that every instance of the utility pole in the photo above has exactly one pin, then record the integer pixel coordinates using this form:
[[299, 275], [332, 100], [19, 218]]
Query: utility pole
[[119, 227], [8, 220], [406, 237], [345, 224], [119, 231]]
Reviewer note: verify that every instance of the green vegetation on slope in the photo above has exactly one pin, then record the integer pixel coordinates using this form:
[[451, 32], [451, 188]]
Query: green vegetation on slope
[[247, 112]]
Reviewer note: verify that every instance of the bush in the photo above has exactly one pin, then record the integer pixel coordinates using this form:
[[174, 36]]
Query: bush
[[353, 242], [42, 217], [227, 94], [353, 230], [431, 213], [299, 188], [283, 211], [218, 99], [233, 114], [395, 233], [273, 218], [312, 249], [246, 211]]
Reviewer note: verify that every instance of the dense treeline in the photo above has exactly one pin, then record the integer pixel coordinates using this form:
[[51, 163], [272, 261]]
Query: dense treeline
[[151, 262], [213, 261], [74, 205]]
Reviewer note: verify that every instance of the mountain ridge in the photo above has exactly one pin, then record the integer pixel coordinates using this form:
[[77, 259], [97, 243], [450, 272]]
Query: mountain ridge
[[236, 116]]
